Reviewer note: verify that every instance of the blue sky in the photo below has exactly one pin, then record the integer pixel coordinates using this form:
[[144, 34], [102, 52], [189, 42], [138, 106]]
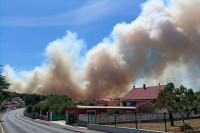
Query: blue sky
[[26, 27]]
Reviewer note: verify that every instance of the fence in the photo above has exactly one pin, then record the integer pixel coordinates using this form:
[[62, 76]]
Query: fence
[[119, 118], [58, 117], [123, 118], [114, 119], [45, 116], [29, 115]]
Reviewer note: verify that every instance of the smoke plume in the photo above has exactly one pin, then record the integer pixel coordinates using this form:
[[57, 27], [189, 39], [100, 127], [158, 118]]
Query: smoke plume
[[163, 42]]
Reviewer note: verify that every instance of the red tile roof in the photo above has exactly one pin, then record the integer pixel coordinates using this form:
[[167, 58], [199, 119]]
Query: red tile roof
[[141, 93], [113, 103], [101, 104]]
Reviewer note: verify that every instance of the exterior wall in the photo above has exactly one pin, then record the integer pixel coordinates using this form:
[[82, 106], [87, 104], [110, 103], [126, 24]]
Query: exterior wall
[[135, 102], [85, 111]]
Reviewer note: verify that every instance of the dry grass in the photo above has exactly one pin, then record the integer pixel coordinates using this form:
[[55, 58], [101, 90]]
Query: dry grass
[[195, 123]]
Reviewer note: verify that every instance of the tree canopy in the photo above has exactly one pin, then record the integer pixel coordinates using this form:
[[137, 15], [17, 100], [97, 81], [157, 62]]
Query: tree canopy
[[3, 83], [3, 86], [55, 104], [180, 100]]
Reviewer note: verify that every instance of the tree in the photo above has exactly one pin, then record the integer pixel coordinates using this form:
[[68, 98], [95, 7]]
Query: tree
[[3, 86], [29, 109], [177, 100], [197, 110], [145, 107], [36, 108], [3, 107]]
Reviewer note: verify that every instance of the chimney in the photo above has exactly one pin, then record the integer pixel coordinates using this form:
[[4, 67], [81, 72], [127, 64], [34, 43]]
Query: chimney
[[144, 86], [134, 87]]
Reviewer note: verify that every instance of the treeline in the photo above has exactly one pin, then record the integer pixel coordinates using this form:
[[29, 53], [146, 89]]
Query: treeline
[[29, 99], [54, 103]]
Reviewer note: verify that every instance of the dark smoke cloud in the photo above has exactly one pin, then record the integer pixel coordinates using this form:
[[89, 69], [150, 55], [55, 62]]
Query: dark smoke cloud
[[162, 42]]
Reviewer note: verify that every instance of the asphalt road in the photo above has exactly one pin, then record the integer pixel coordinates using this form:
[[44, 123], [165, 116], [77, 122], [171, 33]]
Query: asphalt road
[[12, 122]]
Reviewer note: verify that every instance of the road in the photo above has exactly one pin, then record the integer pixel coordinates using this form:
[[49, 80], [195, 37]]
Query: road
[[14, 123]]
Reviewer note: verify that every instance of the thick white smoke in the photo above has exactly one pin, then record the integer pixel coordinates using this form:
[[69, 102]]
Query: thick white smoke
[[162, 43]]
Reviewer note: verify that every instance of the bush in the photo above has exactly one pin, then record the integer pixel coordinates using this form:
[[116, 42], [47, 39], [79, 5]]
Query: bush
[[36, 108], [185, 127], [145, 107], [3, 108], [29, 109], [116, 111]]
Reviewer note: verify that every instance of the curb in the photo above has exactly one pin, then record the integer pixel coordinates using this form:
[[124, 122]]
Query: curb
[[75, 129]]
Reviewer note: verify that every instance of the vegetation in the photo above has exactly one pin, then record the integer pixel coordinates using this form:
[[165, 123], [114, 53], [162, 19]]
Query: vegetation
[[178, 100], [55, 104], [117, 111], [185, 127], [3, 107], [160, 126], [3, 86], [29, 99], [145, 107]]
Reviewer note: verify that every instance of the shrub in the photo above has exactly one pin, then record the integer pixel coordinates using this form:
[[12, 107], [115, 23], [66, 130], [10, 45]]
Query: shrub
[[36, 108], [116, 111], [3, 107], [185, 127], [145, 107], [29, 109]]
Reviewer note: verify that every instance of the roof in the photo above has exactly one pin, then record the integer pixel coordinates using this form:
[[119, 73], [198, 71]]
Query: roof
[[105, 107], [43, 102], [113, 103], [101, 104], [149, 93]]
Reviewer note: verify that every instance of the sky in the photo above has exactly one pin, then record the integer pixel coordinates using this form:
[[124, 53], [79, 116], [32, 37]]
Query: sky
[[99, 48], [26, 27]]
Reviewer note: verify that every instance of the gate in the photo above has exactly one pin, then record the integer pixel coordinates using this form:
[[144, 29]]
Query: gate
[[70, 118]]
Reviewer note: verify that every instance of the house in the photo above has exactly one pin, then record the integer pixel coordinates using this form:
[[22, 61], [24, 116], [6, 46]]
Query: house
[[94, 110], [142, 94], [18, 102], [77, 112], [15, 99]]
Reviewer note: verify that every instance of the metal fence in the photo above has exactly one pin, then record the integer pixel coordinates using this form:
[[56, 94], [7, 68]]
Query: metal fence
[[158, 120], [126, 118], [58, 117]]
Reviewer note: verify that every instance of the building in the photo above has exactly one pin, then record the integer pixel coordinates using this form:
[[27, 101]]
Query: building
[[136, 95], [108, 102], [16, 102], [74, 113], [15, 99]]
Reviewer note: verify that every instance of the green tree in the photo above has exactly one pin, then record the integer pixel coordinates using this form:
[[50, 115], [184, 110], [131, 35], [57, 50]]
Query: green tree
[[61, 110], [3, 86], [180, 100], [3, 107], [45, 108], [36, 108], [29, 109], [197, 110], [58, 104], [3, 83]]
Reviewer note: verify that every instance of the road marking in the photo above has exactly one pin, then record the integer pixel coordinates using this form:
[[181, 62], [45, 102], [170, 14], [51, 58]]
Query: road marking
[[2, 128]]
